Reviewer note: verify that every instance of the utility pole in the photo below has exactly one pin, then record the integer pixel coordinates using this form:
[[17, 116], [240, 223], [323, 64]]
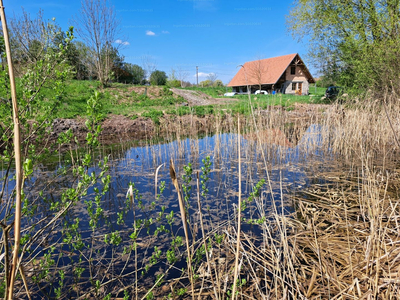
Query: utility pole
[[197, 75]]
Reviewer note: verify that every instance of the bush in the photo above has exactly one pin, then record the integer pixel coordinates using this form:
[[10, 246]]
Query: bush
[[166, 92], [174, 83], [201, 111], [154, 115]]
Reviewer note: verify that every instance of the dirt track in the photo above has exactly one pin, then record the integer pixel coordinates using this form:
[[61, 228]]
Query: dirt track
[[193, 97], [200, 98]]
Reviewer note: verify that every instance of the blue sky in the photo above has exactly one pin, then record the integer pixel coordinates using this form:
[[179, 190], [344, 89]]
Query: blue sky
[[215, 35]]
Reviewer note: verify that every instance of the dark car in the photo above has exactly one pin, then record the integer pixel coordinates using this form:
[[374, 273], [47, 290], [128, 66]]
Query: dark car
[[332, 92]]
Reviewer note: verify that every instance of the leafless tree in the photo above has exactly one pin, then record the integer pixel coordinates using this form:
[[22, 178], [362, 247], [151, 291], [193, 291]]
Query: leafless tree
[[182, 75], [256, 71], [212, 77], [149, 65], [98, 26]]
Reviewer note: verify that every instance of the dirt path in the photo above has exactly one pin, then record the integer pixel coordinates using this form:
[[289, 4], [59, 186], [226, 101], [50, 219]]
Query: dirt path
[[200, 98], [193, 97]]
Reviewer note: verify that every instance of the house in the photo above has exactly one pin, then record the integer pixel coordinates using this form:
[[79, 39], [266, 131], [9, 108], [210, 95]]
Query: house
[[285, 74]]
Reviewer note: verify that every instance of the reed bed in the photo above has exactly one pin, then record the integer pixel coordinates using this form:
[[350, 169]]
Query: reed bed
[[341, 242]]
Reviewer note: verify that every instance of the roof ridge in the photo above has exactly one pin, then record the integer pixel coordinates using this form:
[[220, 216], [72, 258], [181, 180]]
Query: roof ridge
[[272, 57]]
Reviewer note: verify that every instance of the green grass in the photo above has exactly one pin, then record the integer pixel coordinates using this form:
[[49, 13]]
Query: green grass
[[121, 100]]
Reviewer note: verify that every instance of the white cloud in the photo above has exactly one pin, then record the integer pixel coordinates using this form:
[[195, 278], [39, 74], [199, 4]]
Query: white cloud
[[165, 32], [149, 32], [122, 43], [202, 74]]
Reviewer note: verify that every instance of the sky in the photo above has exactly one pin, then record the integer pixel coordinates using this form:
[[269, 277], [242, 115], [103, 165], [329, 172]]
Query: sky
[[215, 35]]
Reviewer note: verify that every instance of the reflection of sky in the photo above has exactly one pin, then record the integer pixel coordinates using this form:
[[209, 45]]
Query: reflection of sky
[[138, 165]]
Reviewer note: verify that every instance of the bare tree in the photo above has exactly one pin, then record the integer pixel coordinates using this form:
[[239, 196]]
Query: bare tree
[[98, 27], [149, 65], [182, 75], [212, 77], [256, 72]]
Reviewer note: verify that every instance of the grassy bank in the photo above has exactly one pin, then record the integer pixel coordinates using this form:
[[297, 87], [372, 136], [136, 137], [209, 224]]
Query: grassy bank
[[154, 102]]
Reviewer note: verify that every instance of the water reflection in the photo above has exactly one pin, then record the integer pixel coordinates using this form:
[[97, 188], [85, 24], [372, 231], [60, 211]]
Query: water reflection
[[285, 164], [286, 161]]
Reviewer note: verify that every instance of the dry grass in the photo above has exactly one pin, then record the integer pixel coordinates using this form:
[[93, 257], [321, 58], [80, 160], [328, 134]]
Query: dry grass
[[342, 240]]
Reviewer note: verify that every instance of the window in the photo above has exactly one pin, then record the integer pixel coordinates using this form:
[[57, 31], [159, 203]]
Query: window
[[293, 70], [293, 86]]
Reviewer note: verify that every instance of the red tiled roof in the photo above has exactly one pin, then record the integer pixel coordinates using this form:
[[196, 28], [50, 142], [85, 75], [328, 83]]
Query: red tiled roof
[[264, 71]]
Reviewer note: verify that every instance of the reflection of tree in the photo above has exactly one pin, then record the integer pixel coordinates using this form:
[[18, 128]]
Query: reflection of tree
[[289, 137], [270, 136]]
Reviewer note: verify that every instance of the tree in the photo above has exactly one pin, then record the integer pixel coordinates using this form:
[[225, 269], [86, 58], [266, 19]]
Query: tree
[[158, 78], [149, 65], [205, 83], [98, 27], [33, 38], [355, 43], [218, 83], [172, 79], [84, 66], [137, 72], [256, 71], [212, 77], [182, 75]]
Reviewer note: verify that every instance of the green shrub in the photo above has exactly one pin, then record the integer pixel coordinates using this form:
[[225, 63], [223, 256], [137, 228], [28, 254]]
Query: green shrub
[[153, 115], [166, 92], [201, 111]]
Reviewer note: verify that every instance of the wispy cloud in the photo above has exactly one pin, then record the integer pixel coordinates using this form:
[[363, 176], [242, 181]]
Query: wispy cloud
[[165, 32], [122, 42], [149, 32]]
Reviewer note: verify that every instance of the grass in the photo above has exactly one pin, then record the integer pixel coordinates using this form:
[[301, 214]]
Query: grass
[[121, 99]]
